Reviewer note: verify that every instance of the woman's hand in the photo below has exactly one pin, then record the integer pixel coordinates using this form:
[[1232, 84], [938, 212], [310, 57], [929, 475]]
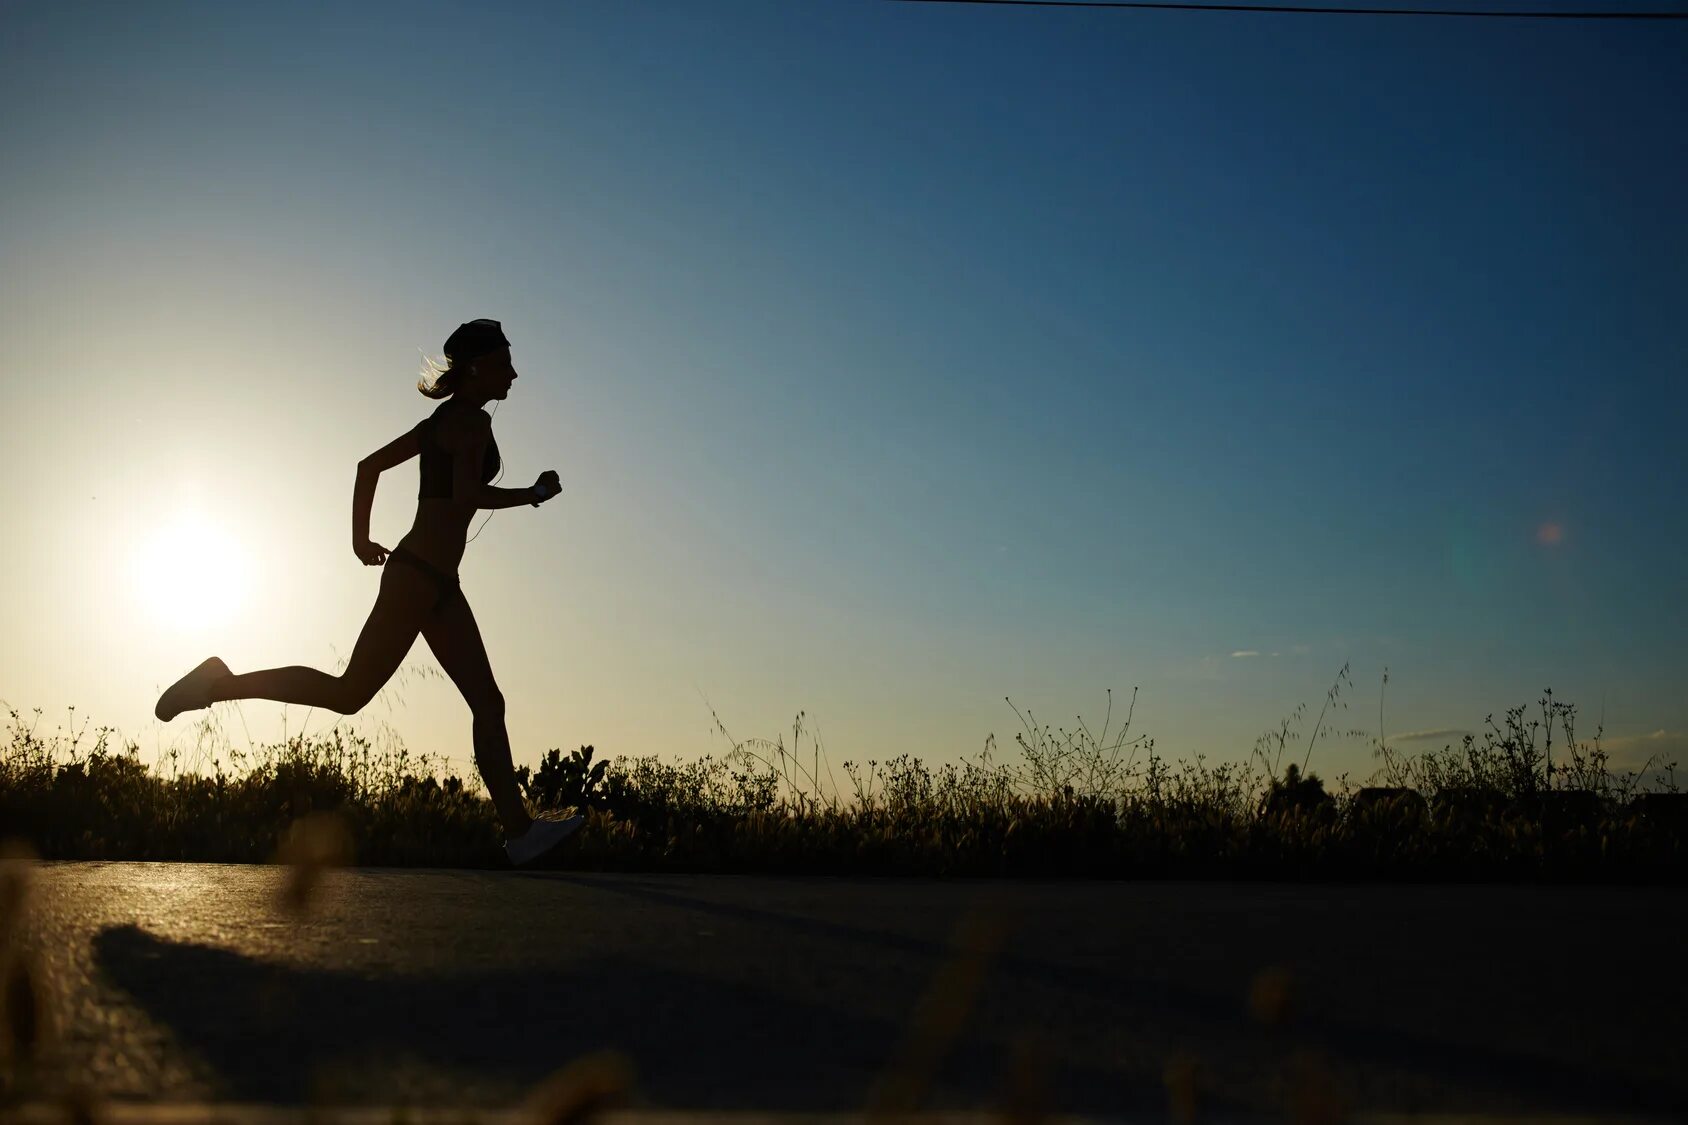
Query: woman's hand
[[371, 552], [549, 483]]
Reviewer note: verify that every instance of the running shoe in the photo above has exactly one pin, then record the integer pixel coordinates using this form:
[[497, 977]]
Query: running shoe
[[192, 691], [541, 837]]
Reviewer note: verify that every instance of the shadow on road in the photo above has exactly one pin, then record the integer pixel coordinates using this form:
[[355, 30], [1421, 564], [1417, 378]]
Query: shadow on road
[[276, 1033]]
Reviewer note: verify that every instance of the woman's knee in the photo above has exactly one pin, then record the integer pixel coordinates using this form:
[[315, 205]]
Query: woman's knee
[[354, 695], [488, 704]]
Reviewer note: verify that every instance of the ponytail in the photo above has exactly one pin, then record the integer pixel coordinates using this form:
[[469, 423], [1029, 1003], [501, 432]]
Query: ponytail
[[439, 378]]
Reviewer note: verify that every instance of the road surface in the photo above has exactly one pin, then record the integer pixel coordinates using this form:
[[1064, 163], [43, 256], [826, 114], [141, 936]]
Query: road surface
[[196, 983]]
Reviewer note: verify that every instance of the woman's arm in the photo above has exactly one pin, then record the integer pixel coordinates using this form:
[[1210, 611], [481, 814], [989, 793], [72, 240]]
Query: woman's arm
[[395, 452], [491, 497], [469, 439]]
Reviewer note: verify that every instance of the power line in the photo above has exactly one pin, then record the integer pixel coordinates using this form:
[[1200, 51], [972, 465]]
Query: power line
[[1279, 9]]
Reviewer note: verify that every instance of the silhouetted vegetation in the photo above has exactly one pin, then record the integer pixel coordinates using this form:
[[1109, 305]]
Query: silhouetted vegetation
[[1072, 803]]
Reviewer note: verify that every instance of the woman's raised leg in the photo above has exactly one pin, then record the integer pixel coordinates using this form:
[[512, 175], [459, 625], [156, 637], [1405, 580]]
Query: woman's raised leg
[[401, 606]]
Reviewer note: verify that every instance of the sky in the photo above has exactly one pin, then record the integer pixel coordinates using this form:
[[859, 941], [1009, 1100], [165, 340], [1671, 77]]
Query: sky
[[904, 365]]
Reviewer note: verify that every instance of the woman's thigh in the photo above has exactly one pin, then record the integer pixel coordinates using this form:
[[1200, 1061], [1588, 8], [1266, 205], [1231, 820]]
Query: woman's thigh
[[401, 607], [455, 638]]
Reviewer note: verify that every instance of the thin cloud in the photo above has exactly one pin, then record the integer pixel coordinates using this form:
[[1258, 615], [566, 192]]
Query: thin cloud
[[1246, 652], [1428, 735], [1636, 749], [1661, 737], [1648, 757]]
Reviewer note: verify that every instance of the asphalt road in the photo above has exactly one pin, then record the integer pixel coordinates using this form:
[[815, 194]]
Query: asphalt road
[[193, 983]]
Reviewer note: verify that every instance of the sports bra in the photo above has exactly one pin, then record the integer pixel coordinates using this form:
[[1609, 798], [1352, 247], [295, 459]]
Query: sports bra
[[436, 459]]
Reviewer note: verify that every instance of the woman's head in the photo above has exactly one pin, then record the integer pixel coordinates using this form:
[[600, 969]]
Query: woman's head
[[477, 364]]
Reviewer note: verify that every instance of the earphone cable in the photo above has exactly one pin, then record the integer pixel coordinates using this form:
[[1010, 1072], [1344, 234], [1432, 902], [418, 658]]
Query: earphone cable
[[490, 511]]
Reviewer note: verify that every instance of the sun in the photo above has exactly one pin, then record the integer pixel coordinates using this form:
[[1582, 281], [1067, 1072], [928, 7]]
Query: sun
[[190, 573]]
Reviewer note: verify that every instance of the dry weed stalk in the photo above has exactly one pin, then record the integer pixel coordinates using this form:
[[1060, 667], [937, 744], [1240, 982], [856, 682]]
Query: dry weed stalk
[[1269, 995], [314, 843], [581, 1091], [939, 1016], [1182, 1077], [25, 1015]]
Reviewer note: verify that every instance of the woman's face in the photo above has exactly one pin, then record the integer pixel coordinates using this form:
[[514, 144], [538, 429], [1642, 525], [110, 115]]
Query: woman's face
[[492, 375]]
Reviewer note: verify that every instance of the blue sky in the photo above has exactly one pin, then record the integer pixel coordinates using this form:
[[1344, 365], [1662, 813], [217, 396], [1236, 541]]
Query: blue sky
[[896, 359]]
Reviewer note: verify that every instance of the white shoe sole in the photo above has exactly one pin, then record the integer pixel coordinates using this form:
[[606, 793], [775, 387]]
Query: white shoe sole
[[540, 838]]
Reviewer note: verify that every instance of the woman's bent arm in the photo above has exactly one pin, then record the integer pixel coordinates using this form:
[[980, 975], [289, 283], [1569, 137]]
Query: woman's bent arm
[[490, 497], [395, 452], [468, 439], [363, 497]]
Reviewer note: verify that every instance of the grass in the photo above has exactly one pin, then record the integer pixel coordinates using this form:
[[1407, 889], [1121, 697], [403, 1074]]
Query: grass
[[1084, 802]]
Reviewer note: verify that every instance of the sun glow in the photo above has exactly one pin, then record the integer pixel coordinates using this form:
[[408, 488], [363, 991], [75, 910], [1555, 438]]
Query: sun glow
[[190, 573]]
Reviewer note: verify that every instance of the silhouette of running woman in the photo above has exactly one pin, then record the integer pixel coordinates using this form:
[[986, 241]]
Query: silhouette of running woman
[[421, 593]]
